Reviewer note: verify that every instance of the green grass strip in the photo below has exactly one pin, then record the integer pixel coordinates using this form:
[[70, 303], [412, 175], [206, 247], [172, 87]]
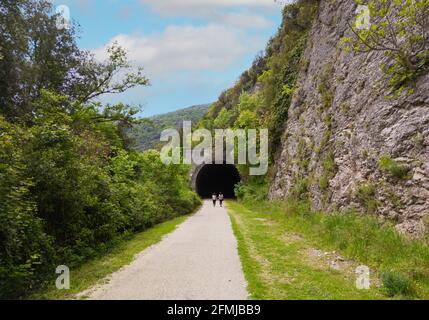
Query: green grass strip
[[276, 240]]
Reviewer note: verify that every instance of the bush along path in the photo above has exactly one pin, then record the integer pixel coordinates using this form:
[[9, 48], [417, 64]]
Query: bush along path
[[288, 252]]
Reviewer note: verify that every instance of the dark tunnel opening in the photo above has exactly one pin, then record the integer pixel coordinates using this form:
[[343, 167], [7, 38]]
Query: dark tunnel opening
[[215, 178]]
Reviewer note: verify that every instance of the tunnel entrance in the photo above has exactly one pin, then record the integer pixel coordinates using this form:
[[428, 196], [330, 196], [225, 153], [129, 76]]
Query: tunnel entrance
[[217, 178]]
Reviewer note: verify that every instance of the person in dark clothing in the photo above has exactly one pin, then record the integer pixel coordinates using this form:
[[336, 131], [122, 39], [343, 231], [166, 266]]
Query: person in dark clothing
[[221, 198], [214, 198]]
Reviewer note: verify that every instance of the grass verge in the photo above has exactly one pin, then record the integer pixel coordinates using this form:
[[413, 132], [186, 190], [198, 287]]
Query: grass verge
[[90, 273], [286, 252]]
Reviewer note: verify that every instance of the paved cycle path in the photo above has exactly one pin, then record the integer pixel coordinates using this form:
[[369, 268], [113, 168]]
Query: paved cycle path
[[198, 261]]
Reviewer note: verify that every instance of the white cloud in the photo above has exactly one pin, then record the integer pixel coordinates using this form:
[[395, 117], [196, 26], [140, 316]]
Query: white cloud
[[244, 20], [191, 7], [206, 8], [243, 14], [185, 48]]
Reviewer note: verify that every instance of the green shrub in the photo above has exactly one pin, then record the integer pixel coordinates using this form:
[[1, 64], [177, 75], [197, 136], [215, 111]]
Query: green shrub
[[325, 90], [25, 249], [329, 168], [300, 189], [366, 196], [392, 167], [255, 189], [397, 284]]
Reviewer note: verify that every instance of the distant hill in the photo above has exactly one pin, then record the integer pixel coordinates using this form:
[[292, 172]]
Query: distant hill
[[146, 136]]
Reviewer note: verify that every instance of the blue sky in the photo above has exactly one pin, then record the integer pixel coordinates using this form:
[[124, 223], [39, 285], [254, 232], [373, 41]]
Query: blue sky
[[191, 50]]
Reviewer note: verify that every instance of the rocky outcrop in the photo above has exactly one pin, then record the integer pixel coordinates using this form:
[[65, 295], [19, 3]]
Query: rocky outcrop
[[345, 144]]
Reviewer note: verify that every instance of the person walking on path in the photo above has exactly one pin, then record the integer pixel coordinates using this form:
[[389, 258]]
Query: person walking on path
[[214, 198], [221, 198]]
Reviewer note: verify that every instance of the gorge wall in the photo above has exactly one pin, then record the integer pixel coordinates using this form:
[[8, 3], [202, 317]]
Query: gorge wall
[[340, 126]]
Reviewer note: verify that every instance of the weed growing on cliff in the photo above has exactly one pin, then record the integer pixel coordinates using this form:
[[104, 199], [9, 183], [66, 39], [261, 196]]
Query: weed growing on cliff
[[366, 196], [329, 169], [300, 189], [425, 221], [325, 86], [345, 106], [392, 167], [418, 141]]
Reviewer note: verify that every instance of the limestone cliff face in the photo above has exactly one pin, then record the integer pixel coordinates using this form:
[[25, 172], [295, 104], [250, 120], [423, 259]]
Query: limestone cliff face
[[340, 125]]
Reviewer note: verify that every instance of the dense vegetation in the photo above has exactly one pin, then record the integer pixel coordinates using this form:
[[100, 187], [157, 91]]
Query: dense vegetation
[[70, 187], [147, 135], [262, 95]]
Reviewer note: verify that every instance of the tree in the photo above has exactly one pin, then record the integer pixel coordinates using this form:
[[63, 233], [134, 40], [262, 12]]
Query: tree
[[223, 120], [101, 78], [25, 249], [38, 56], [35, 54], [398, 28]]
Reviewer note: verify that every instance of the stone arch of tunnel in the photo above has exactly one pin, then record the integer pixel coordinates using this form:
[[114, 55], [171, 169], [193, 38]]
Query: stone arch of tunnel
[[216, 178]]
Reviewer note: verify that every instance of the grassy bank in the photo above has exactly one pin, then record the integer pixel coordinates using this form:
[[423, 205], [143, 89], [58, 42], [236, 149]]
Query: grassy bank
[[289, 253], [92, 272]]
